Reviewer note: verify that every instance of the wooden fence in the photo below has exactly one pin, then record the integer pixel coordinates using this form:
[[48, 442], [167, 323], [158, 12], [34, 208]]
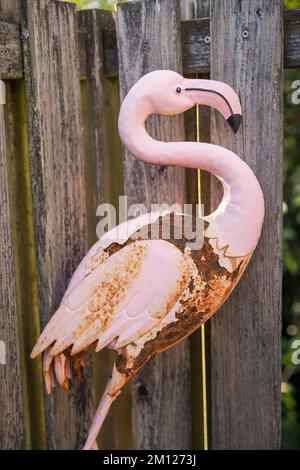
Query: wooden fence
[[60, 157]]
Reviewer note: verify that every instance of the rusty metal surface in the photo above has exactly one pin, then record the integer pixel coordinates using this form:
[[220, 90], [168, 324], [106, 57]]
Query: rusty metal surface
[[90, 316]]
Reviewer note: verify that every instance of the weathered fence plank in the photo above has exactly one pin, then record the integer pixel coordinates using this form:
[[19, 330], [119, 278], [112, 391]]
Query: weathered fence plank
[[246, 52], [202, 8], [12, 433], [195, 48], [194, 8], [197, 127], [24, 255], [10, 10], [11, 65], [49, 32], [101, 138], [292, 39], [247, 418], [103, 155], [196, 45], [149, 39]]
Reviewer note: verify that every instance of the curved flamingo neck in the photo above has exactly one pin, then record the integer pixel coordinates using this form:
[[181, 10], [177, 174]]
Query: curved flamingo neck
[[236, 223]]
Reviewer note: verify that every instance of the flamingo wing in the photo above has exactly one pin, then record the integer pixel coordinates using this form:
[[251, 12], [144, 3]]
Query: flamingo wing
[[119, 234], [119, 300]]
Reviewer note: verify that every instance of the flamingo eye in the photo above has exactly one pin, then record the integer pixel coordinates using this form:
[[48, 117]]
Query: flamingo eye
[[178, 90]]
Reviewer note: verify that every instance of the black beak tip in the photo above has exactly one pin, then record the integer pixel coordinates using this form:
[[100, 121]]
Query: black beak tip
[[235, 121]]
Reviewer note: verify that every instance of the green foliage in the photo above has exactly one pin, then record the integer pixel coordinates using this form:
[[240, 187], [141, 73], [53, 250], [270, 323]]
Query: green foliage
[[292, 3], [110, 4], [291, 263], [100, 4]]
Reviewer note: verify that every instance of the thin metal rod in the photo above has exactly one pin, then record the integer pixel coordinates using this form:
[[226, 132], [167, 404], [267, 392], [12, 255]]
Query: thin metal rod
[[202, 328]]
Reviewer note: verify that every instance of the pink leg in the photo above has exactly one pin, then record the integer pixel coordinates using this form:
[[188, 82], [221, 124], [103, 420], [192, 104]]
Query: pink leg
[[112, 391]]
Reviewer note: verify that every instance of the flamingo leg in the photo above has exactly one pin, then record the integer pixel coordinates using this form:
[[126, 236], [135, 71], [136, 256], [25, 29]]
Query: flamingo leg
[[111, 392]]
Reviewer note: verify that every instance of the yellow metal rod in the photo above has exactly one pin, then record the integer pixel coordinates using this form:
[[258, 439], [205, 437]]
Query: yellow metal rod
[[203, 351]]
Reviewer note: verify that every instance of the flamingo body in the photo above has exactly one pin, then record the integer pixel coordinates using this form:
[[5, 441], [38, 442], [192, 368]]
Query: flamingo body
[[139, 296]]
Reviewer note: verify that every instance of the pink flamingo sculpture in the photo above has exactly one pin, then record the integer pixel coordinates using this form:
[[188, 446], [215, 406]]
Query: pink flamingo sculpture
[[139, 296]]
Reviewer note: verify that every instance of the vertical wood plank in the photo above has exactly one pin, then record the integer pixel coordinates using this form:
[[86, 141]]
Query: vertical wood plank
[[10, 10], [194, 9], [245, 334], [103, 163], [25, 261], [12, 435], [51, 62], [187, 9], [201, 9], [100, 107], [148, 39], [192, 198]]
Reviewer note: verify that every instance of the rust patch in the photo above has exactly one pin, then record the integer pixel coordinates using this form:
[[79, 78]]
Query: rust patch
[[94, 261], [206, 294], [76, 364], [180, 287], [145, 233], [121, 365], [108, 294], [73, 363], [84, 325]]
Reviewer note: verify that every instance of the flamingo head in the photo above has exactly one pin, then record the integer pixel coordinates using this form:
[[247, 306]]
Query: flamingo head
[[168, 93]]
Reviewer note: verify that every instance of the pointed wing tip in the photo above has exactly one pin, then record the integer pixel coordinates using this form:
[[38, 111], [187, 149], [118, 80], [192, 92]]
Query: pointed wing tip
[[38, 349], [77, 349], [35, 352]]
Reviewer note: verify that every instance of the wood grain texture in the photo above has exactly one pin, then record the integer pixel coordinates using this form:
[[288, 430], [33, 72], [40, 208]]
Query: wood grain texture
[[187, 9], [245, 367], [101, 139], [195, 51], [292, 39], [11, 65], [103, 164], [196, 48], [25, 261], [10, 11], [12, 433], [109, 47], [191, 134], [149, 38], [194, 9], [202, 8], [110, 52], [58, 185]]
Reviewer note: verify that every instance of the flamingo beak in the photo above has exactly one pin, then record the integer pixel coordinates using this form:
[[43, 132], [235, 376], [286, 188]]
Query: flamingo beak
[[217, 95], [235, 121]]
